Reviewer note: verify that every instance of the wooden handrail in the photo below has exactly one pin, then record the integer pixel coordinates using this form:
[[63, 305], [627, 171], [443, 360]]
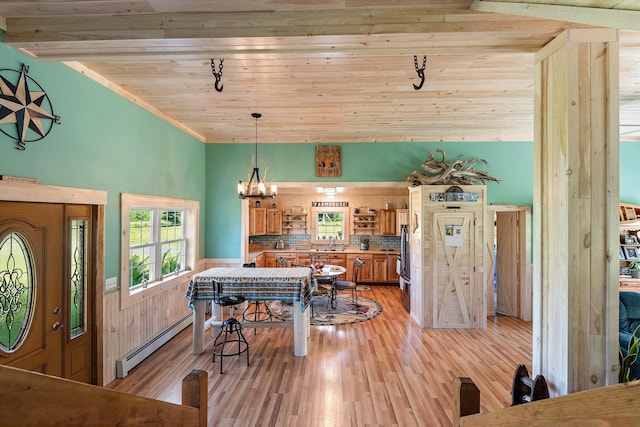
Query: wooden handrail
[[32, 398], [605, 406]]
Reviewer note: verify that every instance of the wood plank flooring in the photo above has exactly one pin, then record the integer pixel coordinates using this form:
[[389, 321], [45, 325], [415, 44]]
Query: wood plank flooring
[[383, 372]]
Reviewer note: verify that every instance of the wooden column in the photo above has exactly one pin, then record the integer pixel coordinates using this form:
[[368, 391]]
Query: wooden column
[[576, 167]]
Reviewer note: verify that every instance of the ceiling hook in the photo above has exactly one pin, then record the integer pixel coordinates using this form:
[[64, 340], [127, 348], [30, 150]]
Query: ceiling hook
[[420, 71], [217, 75], [217, 85]]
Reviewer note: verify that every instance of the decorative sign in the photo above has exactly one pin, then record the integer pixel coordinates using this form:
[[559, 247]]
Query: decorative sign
[[327, 160], [27, 108], [454, 197], [453, 235], [329, 204]]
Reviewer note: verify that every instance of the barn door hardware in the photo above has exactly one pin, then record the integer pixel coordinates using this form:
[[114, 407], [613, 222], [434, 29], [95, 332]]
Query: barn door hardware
[[217, 75], [420, 71]]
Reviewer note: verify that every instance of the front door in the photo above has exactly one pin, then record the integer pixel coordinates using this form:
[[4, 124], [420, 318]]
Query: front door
[[45, 288]]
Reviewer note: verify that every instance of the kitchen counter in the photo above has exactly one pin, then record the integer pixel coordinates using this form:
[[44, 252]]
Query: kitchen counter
[[373, 251]]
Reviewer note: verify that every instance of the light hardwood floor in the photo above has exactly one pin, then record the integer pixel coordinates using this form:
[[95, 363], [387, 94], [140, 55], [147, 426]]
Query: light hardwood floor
[[383, 372]]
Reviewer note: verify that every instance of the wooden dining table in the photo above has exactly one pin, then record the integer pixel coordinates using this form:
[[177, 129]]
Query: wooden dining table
[[293, 285]]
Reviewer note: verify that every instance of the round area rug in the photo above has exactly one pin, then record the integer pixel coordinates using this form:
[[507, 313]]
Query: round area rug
[[344, 313]]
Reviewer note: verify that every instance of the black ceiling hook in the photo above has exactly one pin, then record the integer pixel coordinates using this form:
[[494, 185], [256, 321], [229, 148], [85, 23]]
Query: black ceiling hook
[[217, 84], [420, 71], [217, 75]]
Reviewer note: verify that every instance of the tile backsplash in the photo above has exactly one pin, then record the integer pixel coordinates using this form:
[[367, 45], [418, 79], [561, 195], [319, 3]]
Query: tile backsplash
[[375, 241]]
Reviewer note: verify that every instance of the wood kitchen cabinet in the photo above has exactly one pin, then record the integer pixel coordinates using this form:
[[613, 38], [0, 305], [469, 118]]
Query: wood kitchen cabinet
[[380, 268], [365, 275], [273, 221], [272, 259], [257, 221], [388, 222], [392, 273], [402, 218], [303, 258]]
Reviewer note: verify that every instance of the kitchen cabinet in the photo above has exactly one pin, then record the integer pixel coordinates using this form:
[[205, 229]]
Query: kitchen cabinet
[[273, 221], [392, 273], [402, 218], [257, 221], [272, 260], [380, 268], [303, 258], [294, 222], [338, 259], [365, 275], [387, 222]]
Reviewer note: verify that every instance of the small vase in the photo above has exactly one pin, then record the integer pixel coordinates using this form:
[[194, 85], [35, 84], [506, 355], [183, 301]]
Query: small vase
[[635, 274]]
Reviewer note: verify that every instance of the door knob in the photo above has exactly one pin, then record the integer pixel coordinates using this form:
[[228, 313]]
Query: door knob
[[57, 326]]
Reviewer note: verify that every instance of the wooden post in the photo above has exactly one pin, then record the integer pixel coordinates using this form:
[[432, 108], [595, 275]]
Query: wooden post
[[576, 174], [466, 398], [195, 390]]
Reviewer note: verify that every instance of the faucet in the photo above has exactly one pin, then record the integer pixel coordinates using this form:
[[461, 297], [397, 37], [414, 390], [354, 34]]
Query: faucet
[[332, 240]]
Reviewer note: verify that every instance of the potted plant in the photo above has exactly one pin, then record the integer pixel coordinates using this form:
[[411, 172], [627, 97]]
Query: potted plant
[[634, 268], [629, 357]]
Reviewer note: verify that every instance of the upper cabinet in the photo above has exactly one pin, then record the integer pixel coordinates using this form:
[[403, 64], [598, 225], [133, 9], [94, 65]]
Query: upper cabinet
[[274, 221], [402, 218], [265, 221], [388, 222], [257, 221]]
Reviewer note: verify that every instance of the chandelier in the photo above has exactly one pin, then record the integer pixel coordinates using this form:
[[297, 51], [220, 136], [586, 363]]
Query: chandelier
[[256, 188]]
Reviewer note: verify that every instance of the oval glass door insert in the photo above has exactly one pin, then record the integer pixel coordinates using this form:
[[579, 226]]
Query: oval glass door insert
[[17, 291]]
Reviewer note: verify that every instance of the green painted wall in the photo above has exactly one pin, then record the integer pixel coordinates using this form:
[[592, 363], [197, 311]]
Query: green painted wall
[[512, 162], [629, 176], [104, 142]]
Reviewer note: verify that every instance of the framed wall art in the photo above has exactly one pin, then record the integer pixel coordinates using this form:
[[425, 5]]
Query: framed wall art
[[631, 252], [328, 160]]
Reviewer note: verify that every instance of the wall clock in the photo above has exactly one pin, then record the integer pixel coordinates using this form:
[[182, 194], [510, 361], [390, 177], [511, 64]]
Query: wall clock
[[24, 106]]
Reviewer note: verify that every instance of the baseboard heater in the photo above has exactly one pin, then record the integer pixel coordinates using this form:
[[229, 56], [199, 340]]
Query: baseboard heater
[[129, 361]]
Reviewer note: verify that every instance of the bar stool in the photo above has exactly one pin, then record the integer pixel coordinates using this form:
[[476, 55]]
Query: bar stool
[[230, 329], [261, 312]]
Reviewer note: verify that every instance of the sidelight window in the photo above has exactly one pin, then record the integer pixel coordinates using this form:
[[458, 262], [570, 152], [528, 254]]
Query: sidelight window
[[78, 277]]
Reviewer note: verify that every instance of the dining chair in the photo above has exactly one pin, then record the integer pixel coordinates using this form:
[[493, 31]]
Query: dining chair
[[230, 330], [318, 290], [341, 285]]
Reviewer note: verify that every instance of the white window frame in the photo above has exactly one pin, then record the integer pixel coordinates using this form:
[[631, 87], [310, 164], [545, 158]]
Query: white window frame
[[190, 220], [314, 218]]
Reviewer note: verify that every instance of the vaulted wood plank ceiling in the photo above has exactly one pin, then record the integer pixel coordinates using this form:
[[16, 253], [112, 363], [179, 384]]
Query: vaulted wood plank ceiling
[[325, 71]]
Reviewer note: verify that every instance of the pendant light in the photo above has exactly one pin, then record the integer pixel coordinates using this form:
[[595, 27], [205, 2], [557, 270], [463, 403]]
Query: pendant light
[[256, 188]]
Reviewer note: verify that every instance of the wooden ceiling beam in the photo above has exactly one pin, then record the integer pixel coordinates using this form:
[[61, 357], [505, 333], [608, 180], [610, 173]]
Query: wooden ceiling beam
[[178, 26], [623, 19]]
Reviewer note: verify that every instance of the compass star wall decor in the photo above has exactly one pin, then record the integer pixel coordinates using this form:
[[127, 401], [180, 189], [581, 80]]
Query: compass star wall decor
[[25, 106]]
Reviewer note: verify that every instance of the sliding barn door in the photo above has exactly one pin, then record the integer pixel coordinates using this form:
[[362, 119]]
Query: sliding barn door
[[453, 273]]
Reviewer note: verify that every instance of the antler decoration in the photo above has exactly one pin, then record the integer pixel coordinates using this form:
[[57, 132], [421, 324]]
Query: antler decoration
[[460, 172]]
